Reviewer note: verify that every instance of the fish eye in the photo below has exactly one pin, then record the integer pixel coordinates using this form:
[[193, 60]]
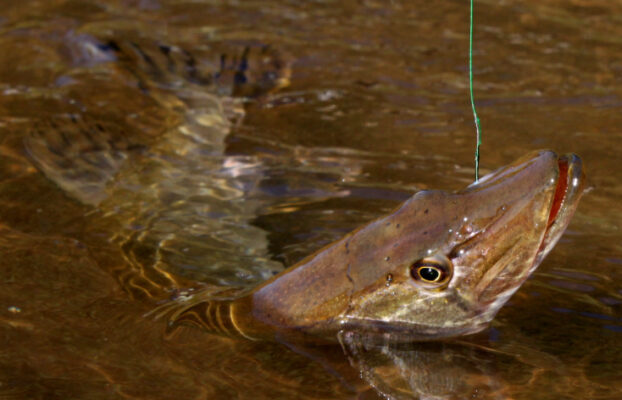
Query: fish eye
[[432, 271]]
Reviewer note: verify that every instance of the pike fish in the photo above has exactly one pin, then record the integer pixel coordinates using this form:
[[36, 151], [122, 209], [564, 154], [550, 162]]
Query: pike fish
[[440, 265]]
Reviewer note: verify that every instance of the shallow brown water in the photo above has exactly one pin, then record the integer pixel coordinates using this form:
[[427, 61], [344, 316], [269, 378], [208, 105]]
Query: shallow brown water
[[377, 108]]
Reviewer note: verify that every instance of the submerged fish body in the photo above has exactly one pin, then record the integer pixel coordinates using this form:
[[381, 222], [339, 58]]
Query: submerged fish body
[[145, 148], [441, 265]]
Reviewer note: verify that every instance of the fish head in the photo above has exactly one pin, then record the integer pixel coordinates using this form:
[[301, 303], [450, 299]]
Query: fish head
[[443, 264]]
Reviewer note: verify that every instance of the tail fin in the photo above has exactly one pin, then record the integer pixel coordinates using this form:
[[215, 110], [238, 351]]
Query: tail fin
[[256, 72], [252, 72], [82, 154], [79, 156]]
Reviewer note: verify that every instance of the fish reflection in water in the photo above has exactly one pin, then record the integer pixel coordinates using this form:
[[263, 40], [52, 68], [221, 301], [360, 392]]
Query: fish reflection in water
[[432, 370], [179, 210], [444, 370]]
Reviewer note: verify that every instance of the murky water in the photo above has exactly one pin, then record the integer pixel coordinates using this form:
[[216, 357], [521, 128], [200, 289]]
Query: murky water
[[376, 109]]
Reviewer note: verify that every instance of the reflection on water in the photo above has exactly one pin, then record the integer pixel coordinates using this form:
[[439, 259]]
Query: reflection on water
[[105, 98], [450, 370], [437, 370]]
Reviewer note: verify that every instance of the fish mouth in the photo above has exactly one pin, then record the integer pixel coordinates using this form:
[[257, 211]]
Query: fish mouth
[[570, 185], [560, 191]]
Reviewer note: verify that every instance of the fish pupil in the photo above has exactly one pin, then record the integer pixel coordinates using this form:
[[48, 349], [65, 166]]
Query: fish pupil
[[429, 274]]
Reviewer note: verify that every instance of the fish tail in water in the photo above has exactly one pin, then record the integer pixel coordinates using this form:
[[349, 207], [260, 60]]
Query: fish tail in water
[[152, 161], [81, 156], [249, 71], [258, 71], [82, 153]]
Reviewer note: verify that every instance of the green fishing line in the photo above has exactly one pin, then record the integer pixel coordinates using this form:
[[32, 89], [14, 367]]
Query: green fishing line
[[477, 128]]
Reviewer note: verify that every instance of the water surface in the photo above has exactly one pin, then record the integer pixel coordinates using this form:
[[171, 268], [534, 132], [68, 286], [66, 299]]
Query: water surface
[[377, 108]]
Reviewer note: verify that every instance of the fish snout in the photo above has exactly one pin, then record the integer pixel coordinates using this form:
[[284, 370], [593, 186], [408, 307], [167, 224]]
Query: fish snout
[[538, 197], [570, 187]]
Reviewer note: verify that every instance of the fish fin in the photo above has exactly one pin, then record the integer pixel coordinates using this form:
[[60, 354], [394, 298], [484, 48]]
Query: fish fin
[[255, 73], [207, 308], [79, 156]]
